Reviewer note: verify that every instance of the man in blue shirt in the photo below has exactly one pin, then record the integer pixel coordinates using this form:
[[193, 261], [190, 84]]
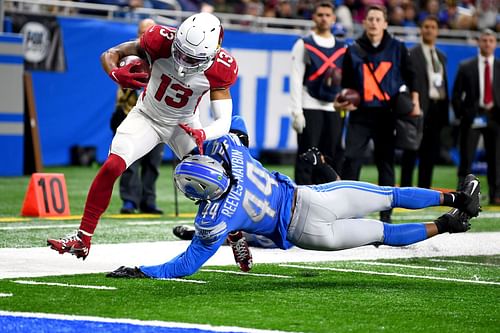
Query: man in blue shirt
[[235, 192]]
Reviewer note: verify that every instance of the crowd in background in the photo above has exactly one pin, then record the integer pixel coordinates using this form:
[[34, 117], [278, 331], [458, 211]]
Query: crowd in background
[[452, 14]]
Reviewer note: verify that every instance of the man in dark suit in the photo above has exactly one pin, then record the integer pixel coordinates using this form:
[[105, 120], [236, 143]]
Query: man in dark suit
[[432, 87], [476, 101]]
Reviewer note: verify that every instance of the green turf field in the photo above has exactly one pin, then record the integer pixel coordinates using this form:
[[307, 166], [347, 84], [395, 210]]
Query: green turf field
[[292, 299], [446, 294]]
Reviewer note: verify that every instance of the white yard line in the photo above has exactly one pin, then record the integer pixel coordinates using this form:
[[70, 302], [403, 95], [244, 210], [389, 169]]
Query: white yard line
[[247, 274], [374, 263], [391, 274], [136, 322], [6, 295], [63, 285], [74, 226], [185, 280], [464, 262], [41, 261], [32, 227]]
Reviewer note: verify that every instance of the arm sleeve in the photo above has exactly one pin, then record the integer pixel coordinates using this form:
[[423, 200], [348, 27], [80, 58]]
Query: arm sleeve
[[186, 263], [297, 77], [222, 111]]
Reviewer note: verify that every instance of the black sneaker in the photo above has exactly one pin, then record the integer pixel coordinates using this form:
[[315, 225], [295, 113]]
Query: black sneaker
[[150, 210], [456, 220], [127, 272], [184, 232], [472, 188], [386, 216], [312, 156]]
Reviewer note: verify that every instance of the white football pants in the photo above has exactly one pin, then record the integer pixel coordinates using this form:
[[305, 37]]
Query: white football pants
[[138, 134], [327, 217]]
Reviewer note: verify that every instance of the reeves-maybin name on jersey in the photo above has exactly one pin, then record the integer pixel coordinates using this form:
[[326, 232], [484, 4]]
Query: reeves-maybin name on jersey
[[260, 203]]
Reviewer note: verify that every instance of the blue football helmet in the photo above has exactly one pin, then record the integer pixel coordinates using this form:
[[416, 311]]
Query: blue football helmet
[[201, 177]]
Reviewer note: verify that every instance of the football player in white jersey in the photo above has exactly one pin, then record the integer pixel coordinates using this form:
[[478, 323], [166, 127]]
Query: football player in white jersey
[[185, 64]]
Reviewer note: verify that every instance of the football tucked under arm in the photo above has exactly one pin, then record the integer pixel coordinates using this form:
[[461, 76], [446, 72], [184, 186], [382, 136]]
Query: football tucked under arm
[[132, 73]]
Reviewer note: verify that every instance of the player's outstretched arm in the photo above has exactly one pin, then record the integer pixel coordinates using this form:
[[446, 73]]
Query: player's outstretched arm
[[186, 263]]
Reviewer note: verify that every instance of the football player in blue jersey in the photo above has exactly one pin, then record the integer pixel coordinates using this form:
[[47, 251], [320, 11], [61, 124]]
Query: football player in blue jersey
[[236, 193]]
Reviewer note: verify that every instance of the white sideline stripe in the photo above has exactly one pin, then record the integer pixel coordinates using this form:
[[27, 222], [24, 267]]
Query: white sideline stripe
[[31, 227], [464, 262], [243, 273], [391, 274], [374, 263], [6, 295], [63, 285], [183, 280], [137, 322]]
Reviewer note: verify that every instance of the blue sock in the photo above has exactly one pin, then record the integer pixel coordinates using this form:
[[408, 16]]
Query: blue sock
[[404, 234], [415, 198]]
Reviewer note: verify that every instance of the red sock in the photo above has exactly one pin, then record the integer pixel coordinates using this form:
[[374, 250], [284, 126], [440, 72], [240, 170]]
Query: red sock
[[100, 193]]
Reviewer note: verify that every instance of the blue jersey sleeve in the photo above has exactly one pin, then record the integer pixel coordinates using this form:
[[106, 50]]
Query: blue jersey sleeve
[[186, 263]]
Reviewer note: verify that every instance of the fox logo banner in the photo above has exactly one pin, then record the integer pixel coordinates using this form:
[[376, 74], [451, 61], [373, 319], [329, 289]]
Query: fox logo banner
[[43, 46]]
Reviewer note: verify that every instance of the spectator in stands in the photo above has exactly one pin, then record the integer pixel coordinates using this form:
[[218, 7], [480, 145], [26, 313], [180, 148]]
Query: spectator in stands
[[432, 87], [305, 9], [137, 183], [389, 65], [130, 10], [314, 83], [397, 16], [344, 17], [476, 102], [410, 15], [285, 10], [487, 12], [431, 7]]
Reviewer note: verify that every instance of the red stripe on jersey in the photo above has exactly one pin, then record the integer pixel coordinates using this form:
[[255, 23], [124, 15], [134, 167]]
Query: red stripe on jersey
[[223, 72], [157, 42]]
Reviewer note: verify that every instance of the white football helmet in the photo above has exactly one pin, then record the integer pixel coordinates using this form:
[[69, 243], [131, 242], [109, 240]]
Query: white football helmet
[[196, 43], [200, 177]]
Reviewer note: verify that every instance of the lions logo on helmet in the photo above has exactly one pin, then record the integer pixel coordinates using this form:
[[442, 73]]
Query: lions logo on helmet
[[196, 43], [200, 177]]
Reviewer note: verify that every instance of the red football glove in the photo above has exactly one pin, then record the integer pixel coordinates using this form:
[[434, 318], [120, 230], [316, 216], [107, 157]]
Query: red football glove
[[126, 77], [197, 133]]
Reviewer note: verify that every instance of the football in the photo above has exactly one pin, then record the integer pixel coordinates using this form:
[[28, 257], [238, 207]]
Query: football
[[349, 95], [143, 67]]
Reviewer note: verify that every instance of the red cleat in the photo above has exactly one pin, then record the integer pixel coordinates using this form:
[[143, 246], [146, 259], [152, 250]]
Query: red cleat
[[72, 243], [241, 251]]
